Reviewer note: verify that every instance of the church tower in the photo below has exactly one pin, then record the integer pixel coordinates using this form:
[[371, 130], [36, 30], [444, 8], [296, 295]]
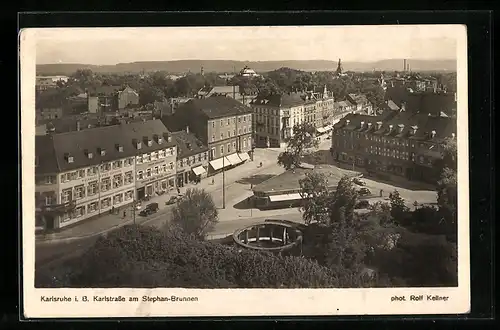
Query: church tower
[[339, 70]]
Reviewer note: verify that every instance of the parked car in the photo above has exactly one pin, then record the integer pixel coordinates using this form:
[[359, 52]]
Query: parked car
[[149, 209], [364, 191], [138, 206], [359, 182], [364, 204], [172, 200]]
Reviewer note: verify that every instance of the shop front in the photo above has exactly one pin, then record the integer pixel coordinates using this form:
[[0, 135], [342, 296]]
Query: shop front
[[156, 185]]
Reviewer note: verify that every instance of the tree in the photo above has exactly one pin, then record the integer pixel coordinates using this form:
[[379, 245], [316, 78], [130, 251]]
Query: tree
[[317, 198], [345, 199], [399, 210], [195, 213], [299, 145]]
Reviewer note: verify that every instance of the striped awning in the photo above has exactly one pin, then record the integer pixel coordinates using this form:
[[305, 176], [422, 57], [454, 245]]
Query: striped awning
[[244, 156], [199, 170], [234, 159], [285, 197]]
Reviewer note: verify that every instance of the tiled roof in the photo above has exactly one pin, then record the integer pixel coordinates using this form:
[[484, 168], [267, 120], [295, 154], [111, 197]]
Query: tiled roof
[[217, 106], [223, 90], [107, 138], [344, 104], [443, 126], [280, 100], [182, 139], [358, 98]]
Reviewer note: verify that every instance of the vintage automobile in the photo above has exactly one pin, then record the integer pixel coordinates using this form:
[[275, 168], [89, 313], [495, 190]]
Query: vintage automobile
[[172, 200], [359, 182], [149, 209], [364, 192]]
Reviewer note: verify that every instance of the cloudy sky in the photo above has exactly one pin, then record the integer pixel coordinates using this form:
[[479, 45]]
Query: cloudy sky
[[354, 43]]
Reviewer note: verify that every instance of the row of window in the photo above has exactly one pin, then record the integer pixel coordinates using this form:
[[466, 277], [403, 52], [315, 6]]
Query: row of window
[[232, 147], [155, 155], [94, 206], [228, 121], [241, 131], [93, 188], [160, 169], [392, 141], [188, 161], [386, 152]]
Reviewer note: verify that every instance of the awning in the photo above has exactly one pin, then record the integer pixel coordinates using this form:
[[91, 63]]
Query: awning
[[234, 159], [217, 164], [199, 170], [244, 156], [285, 197], [328, 128], [320, 130]]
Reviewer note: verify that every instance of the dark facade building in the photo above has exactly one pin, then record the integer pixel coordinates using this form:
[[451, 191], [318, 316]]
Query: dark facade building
[[192, 157], [396, 143], [221, 123], [111, 98]]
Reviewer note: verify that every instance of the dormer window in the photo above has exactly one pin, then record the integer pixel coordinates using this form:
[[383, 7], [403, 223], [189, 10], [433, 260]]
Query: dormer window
[[379, 125], [453, 136], [137, 144], [414, 130], [362, 124], [89, 154], [347, 122], [370, 125], [401, 128], [68, 157], [433, 134], [119, 147], [158, 139], [102, 151], [147, 140]]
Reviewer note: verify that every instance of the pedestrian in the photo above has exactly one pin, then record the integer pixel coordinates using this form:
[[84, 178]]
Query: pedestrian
[[213, 181], [112, 210], [381, 193], [178, 191], [124, 214]]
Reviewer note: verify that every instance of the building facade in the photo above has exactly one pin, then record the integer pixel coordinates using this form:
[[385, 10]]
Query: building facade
[[395, 144], [85, 173], [223, 124], [275, 115], [111, 98], [192, 158], [127, 97]]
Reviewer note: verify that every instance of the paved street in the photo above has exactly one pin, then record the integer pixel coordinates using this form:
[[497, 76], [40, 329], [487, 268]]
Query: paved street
[[235, 214]]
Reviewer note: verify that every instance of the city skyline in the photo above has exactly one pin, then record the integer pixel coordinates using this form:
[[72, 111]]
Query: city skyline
[[359, 44]]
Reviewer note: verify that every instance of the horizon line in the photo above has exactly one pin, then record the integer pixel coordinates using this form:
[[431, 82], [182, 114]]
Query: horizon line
[[229, 60]]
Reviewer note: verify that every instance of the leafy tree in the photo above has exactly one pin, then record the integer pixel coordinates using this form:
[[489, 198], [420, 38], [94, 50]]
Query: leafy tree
[[345, 199], [399, 210], [140, 256], [196, 213], [299, 145], [382, 211], [317, 198]]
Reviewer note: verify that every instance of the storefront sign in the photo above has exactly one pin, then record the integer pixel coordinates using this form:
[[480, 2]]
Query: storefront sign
[[153, 179]]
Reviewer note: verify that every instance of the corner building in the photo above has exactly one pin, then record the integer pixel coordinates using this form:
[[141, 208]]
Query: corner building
[[82, 174]]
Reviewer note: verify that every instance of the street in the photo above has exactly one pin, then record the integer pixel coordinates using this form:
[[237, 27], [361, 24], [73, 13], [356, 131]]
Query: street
[[232, 216]]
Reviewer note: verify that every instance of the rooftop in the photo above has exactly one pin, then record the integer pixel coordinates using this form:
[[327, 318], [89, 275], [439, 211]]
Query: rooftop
[[217, 106], [286, 100], [116, 141], [187, 144], [289, 180]]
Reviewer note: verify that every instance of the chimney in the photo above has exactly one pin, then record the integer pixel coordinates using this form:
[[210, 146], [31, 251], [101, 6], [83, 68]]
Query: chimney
[[77, 125], [187, 129]]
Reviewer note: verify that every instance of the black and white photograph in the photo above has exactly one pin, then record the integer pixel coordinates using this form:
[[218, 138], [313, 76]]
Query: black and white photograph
[[327, 163]]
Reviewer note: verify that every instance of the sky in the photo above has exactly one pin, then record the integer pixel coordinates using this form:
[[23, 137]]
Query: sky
[[104, 46]]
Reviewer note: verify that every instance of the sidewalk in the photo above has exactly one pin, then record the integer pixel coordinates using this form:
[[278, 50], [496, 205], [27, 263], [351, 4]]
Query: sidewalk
[[108, 222]]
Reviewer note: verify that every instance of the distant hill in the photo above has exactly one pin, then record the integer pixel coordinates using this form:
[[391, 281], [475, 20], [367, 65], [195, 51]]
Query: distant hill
[[221, 66]]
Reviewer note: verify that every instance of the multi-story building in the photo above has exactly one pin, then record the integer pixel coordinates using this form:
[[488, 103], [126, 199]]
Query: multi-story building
[[361, 103], [111, 98], [274, 117], [84, 173], [230, 91], [48, 82], [221, 123], [396, 143], [192, 157]]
